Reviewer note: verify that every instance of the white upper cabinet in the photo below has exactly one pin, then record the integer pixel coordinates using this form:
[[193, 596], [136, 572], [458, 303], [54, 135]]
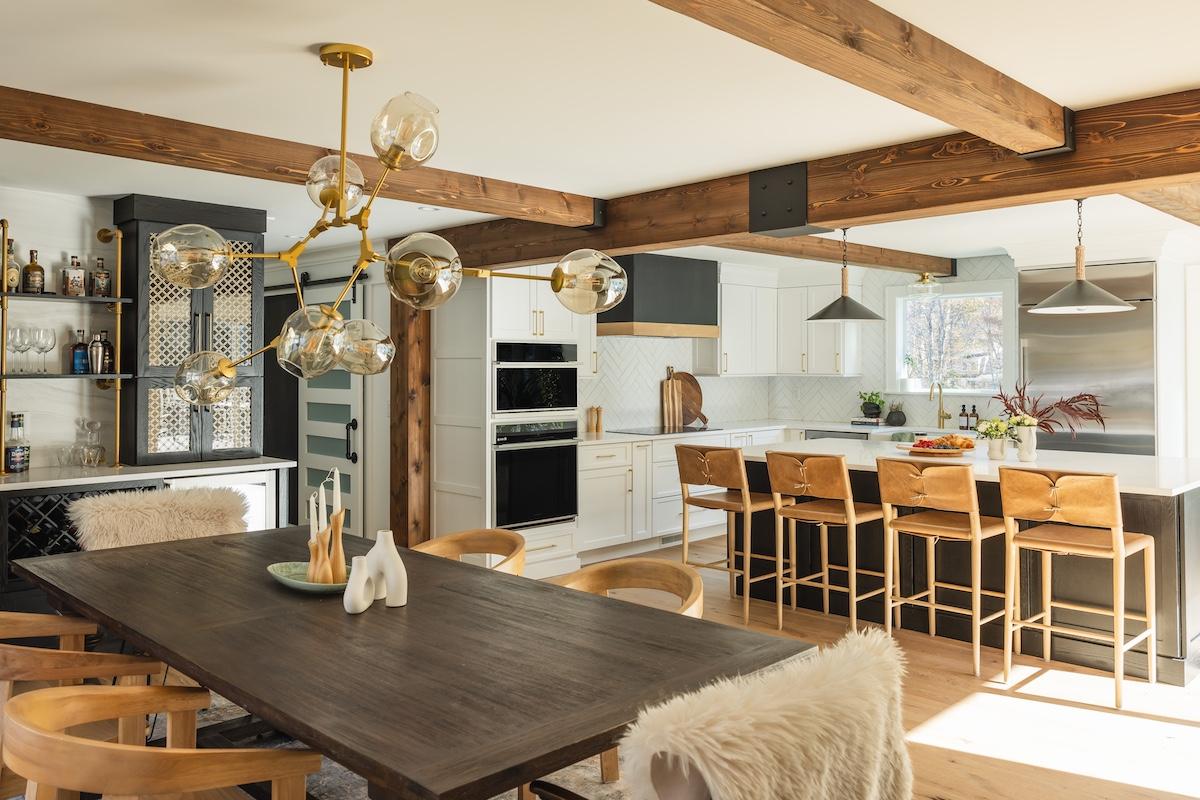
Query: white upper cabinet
[[529, 309], [766, 313], [555, 321], [833, 347], [793, 330], [747, 341], [589, 347]]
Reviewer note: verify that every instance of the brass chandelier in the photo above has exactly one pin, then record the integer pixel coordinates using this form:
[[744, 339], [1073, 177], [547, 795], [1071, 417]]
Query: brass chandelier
[[422, 270]]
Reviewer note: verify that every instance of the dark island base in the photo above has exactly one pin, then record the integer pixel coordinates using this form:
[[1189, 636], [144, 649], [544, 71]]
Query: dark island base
[[1173, 521]]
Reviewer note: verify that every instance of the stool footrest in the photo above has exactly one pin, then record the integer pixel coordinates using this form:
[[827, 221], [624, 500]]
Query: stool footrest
[[1089, 609]]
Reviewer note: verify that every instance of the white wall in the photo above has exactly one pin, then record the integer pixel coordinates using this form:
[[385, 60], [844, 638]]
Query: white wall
[[58, 226]]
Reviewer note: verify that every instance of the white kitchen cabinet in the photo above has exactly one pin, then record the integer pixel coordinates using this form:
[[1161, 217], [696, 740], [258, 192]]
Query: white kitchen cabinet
[[792, 327], [589, 347], [528, 309], [605, 507], [833, 347], [747, 341], [766, 334], [555, 321], [258, 488], [642, 476]]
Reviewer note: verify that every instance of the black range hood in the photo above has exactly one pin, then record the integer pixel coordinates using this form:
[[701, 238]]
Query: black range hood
[[667, 296]]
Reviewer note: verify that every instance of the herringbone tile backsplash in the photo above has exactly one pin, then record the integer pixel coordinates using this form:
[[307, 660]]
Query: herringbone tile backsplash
[[631, 369]]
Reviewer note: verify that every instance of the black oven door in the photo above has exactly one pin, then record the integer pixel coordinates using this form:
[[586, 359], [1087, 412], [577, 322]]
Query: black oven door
[[535, 483], [536, 388]]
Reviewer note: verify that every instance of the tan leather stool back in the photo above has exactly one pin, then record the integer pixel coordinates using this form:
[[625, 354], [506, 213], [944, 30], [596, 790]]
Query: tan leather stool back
[[805, 475], [918, 484], [1088, 499], [711, 466]]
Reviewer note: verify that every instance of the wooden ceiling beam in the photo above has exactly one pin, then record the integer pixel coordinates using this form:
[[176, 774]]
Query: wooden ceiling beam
[[815, 248], [1181, 201], [1124, 147], [76, 125], [872, 48]]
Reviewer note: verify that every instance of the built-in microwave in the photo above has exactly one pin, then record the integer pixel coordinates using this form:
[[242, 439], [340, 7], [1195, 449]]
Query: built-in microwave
[[530, 376]]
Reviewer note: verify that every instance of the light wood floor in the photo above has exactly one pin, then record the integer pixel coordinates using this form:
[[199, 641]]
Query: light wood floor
[[1052, 733]]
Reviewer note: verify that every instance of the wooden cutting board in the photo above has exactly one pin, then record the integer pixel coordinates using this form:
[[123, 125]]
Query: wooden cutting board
[[692, 399], [672, 400]]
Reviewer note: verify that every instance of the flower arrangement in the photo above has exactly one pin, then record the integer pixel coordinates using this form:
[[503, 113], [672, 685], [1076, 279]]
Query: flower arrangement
[[1023, 421], [994, 428], [1065, 412]]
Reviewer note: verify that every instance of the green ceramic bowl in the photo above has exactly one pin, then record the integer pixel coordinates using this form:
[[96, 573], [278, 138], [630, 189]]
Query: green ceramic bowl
[[292, 574]]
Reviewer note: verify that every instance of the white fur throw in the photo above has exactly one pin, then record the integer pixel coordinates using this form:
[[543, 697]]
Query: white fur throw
[[119, 519], [823, 728]]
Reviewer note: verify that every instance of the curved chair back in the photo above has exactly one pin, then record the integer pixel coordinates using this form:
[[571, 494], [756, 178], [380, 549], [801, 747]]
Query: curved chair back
[[809, 475], [641, 573], [37, 747], [509, 545], [711, 466], [922, 484], [1073, 498]]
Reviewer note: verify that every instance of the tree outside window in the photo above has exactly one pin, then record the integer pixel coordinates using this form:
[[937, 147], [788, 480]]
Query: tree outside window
[[955, 339]]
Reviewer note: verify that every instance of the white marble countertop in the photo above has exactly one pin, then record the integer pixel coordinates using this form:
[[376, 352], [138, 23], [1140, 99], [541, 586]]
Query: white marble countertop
[[1151, 475], [741, 426], [62, 477]]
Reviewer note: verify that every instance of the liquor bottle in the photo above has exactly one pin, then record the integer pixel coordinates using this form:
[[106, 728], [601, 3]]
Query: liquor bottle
[[33, 277], [79, 355], [964, 419], [107, 359], [16, 445], [95, 355], [12, 278], [101, 280]]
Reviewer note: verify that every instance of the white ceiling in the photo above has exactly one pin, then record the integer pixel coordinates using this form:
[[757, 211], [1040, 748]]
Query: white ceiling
[[602, 98]]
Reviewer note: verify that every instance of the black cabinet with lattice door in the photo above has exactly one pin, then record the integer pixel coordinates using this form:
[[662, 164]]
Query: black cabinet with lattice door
[[168, 323]]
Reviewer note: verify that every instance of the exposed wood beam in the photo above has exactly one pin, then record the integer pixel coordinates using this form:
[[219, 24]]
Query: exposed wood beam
[[815, 248], [870, 47], [1140, 144], [1179, 201], [409, 432], [60, 122]]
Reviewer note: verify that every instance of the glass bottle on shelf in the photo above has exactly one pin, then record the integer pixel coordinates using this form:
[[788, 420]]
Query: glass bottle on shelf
[[95, 355], [16, 445], [33, 277], [107, 358], [101, 280], [79, 355], [12, 278]]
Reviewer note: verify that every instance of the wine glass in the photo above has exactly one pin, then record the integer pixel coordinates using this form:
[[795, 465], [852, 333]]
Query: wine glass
[[22, 341], [10, 344], [43, 342]]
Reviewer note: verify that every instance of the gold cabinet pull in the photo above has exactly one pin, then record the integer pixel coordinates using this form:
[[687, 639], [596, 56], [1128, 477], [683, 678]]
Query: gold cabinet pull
[[540, 548]]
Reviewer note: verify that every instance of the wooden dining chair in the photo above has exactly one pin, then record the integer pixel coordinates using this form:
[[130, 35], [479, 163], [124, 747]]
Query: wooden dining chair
[[509, 546], [1074, 514], [947, 509], [24, 668], [822, 482], [37, 746], [723, 467], [656, 574]]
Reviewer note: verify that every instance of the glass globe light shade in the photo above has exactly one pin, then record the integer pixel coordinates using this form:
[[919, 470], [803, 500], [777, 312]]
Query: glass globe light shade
[[368, 351], [191, 256], [205, 378], [588, 282], [311, 341], [925, 286], [405, 132], [322, 183], [423, 270]]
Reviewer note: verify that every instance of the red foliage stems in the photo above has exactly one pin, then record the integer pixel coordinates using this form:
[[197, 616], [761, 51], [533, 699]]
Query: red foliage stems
[[1070, 412]]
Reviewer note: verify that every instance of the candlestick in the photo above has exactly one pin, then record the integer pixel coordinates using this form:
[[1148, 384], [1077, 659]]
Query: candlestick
[[312, 516], [337, 490], [321, 502]]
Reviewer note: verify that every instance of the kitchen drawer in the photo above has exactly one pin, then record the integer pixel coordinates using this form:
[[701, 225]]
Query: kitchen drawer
[[546, 547], [595, 456], [666, 481], [668, 516], [664, 449], [767, 437]]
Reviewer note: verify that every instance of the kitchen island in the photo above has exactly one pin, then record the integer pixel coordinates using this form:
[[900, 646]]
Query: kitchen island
[[1159, 496]]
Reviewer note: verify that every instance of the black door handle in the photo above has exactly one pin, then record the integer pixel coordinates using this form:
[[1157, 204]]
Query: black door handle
[[351, 456]]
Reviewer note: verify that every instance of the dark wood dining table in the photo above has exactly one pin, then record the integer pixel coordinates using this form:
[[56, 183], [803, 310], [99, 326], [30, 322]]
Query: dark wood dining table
[[484, 681]]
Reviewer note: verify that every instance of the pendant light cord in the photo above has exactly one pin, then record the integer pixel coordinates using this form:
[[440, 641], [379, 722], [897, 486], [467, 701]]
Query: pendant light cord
[[845, 268], [1080, 272]]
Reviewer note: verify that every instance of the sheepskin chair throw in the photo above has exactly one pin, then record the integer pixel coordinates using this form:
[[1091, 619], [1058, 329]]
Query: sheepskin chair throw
[[821, 728], [119, 519]]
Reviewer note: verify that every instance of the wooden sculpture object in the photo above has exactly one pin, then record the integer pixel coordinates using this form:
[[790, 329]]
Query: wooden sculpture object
[[326, 558]]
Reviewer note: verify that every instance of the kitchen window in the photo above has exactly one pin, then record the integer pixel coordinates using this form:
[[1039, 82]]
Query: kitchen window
[[965, 337]]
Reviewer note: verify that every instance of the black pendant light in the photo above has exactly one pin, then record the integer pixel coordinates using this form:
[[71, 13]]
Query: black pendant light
[[1081, 296], [845, 308]]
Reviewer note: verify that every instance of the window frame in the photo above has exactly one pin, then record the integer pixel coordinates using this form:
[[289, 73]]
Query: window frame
[[1006, 288]]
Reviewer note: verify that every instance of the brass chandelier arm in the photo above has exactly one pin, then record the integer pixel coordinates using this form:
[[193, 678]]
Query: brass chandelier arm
[[366, 255], [341, 199], [269, 346], [555, 279]]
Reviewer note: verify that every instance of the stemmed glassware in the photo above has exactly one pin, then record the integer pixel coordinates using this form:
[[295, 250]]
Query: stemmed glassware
[[22, 341], [43, 343], [10, 344]]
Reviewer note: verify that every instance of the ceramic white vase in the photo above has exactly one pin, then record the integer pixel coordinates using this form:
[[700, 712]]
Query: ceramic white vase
[[1026, 443], [379, 575], [996, 449]]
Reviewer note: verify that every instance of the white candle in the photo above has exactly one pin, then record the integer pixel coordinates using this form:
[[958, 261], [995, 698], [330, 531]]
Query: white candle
[[337, 490], [312, 516], [321, 503]]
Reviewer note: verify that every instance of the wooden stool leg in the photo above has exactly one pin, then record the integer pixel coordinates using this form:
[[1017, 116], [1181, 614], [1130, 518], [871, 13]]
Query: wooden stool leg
[[1010, 600], [524, 792], [896, 577], [1118, 626], [852, 573], [747, 547], [731, 552], [795, 559], [683, 542], [76, 642], [930, 577], [132, 730], [1047, 598], [610, 766], [289, 788], [888, 565], [823, 530], [778, 572], [39, 791], [976, 579], [1151, 603]]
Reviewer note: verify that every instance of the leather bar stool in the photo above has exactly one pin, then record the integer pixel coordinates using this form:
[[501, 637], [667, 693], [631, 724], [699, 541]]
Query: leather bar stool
[[948, 510], [1075, 514], [723, 467], [819, 487]]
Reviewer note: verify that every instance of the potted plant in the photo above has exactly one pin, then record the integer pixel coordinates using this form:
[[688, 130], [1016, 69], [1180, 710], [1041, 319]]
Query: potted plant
[[872, 403], [1024, 429], [1028, 414], [896, 416], [997, 432]]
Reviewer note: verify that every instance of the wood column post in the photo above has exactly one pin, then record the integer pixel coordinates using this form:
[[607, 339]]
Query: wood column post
[[410, 424]]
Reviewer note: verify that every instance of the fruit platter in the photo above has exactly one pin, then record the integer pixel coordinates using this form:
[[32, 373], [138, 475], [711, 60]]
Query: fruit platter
[[952, 444]]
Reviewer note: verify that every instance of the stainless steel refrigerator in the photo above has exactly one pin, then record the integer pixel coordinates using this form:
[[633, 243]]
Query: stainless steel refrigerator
[[1110, 355]]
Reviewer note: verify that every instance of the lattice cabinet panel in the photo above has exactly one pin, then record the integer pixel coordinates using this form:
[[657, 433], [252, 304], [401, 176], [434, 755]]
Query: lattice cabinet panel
[[232, 420], [170, 323], [232, 324], [168, 421]]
